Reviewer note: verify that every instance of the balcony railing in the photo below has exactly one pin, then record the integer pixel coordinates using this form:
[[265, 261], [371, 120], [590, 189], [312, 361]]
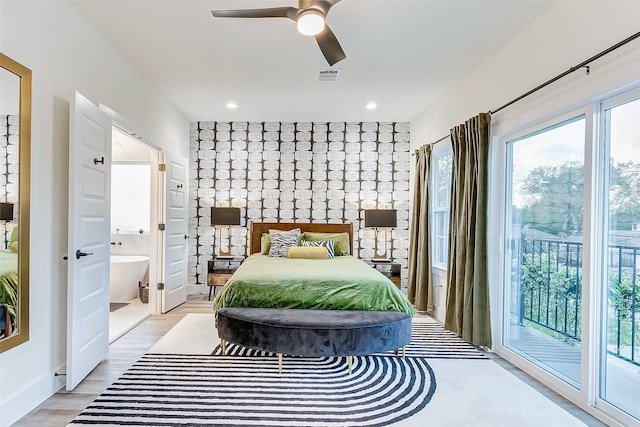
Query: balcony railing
[[548, 279]]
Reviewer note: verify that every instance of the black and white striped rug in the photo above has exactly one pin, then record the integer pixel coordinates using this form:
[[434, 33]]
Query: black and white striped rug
[[431, 340], [243, 387], [174, 390]]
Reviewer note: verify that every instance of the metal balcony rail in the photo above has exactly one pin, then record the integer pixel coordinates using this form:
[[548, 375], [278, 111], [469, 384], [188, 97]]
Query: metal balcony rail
[[547, 277]]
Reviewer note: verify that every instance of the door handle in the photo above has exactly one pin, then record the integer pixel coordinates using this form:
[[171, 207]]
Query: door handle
[[98, 161], [81, 254]]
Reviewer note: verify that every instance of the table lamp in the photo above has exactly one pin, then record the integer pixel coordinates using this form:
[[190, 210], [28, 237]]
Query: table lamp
[[228, 217], [6, 211], [380, 218]]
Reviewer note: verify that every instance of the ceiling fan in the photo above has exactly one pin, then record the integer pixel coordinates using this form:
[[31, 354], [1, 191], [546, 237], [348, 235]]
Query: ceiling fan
[[310, 16]]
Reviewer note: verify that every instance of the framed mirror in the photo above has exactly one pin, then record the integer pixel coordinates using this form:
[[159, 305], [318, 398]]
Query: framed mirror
[[15, 160]]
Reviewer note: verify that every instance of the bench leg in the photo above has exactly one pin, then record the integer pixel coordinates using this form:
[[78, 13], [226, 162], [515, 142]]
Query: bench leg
[[223, 345], [350, 362], [279, 363]]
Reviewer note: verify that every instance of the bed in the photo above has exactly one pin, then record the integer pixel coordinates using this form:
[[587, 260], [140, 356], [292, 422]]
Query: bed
[[8, 291], [340, 283]]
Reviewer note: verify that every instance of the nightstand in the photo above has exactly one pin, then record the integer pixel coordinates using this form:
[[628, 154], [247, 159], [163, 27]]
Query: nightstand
[[220, 271], [389, 269]]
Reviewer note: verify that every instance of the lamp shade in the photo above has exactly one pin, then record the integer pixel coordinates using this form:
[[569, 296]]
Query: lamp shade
[[6, 211], [225, 216], [380, 218]]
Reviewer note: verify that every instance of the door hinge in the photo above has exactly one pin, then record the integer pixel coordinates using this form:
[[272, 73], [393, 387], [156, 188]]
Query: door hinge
[[162, 167], [161, 227], [161, 286]]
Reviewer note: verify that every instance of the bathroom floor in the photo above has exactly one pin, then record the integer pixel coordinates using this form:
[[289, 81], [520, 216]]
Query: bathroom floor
[[126, 318]]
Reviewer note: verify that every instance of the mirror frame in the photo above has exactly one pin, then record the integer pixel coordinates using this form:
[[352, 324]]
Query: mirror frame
[[24, 162]]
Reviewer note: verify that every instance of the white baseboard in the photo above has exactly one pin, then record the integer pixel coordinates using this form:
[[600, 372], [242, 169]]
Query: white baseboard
[[23, 401]]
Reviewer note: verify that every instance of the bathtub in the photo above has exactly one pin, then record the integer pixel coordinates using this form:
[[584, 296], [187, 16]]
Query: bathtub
[[126, 271]]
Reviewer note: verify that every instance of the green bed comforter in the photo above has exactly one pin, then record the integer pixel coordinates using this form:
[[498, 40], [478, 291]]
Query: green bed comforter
[[9, 282], [340, 283]]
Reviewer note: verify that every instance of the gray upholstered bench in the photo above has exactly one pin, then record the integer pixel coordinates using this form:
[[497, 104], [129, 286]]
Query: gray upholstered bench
[[314, 333]]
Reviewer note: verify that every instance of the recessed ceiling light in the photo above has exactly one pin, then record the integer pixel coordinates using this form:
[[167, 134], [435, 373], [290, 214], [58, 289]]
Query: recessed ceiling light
[[232, 105], [372, 106]]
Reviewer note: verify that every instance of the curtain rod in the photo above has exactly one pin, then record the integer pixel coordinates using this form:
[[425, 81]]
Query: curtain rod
[[583, 64], [433, 143]]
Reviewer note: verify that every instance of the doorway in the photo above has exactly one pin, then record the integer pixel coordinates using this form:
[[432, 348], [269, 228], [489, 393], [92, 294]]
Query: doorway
[[571, 266], [90, 159], [131, 250], [546, 193]]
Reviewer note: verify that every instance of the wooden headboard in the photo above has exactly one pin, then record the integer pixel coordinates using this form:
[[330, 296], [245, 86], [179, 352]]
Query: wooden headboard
[[257, 228]]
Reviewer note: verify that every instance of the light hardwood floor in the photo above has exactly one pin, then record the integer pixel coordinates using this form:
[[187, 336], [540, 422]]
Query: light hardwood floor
[[62, 407]]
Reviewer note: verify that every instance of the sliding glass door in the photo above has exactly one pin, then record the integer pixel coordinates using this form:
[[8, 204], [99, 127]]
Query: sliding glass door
[[545, 197], [620, 342], [571, 294]]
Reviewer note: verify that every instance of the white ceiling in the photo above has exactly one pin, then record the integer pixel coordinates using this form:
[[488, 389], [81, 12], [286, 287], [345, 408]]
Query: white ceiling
[[401, 54]]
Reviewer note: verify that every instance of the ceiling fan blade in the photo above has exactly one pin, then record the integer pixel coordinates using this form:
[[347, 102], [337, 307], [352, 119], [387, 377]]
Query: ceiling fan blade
[[329, 46], [274, 12], [324, 5]]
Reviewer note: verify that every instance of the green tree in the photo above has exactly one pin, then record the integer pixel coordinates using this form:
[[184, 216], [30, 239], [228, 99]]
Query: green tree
[[554, 195], [554, 198], [624, 195]]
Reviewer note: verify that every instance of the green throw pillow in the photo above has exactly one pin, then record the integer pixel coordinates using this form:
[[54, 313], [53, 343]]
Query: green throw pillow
[[265, 243], [14, 235], [340, 241]]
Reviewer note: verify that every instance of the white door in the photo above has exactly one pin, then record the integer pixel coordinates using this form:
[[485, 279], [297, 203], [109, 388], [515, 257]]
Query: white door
[[176, 211], [89, 225]]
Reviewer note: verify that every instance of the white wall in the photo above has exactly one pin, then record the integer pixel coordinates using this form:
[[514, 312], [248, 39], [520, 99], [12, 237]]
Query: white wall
[[569, 33], [566, 35], [65, 53]]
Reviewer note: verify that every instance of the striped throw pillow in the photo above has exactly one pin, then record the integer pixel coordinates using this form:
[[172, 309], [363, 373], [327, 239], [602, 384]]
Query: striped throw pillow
[[329, 244], [281, 241]]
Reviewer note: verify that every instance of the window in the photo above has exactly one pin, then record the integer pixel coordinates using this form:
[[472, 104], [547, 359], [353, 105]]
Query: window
[[441, 165], [130, 198]]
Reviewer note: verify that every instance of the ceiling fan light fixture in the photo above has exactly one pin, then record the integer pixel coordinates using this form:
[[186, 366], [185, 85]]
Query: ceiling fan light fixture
[[310, 17], [310, 23]]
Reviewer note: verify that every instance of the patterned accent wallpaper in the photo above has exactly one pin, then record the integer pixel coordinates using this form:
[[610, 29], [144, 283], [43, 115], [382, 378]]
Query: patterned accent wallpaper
[[297, 172], [9, 130]]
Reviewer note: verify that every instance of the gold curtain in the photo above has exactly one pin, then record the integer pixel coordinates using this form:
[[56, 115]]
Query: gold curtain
[[467, 309], [420, 289]]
